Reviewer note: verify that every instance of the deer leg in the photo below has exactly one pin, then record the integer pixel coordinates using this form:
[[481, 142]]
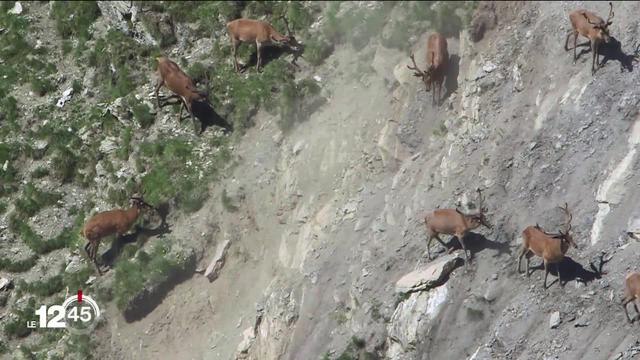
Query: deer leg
[[464, 248], [94, 256], [546, 272], [566, 41], [158, 86], [182, 105], [594, 57], [234, 47], [259, 61], [575, 45], [522, 253], [626, 301], [559, 277]]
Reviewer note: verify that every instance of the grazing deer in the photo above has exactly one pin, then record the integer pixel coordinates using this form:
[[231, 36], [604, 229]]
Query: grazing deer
[[437, 65], [454, 222], [171, 76], [263, 34], [591, 26], [550, 247], [117, 221]]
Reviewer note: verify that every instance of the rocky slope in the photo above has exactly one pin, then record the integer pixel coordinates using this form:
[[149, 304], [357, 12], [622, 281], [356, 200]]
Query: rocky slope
[[326, 234]]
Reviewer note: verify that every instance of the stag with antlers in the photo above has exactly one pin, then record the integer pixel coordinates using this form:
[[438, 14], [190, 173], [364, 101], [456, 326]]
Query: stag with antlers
[[263, 34], [437, 65], [454, 222], [591, 26], [550, 247]]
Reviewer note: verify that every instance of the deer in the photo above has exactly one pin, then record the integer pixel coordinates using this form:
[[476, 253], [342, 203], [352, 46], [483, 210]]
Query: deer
[[106, 223], [437, 65], [454, 222], [549, 246], [591, 26], [631, 292], [263, 34], [171, 76]]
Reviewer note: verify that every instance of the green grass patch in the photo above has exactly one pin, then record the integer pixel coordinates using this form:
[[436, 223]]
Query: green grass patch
[[176, 173], [39, 172], [16, 327], [33, 200], [74, 18], [145, 269], [41, 288], [19, 265], [142, 115], [67, 237]]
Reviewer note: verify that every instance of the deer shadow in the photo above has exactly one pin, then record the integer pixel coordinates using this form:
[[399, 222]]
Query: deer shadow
[[202, 111], [451, 79], [573, 270], [271, 53], [476, 243], [139, 235], [612, 51]]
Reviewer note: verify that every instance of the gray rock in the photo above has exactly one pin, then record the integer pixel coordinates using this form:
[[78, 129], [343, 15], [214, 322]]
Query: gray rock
[[214, 268], [412, 320], [432, 276], [5, 283], [554, 320]]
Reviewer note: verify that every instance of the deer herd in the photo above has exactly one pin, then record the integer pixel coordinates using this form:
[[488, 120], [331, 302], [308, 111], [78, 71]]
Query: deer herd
[[551, 247]]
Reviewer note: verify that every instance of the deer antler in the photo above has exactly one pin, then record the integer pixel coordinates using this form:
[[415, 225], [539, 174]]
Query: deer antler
[[286, 25], [610, 14], [480, 200], [415, 67], [568, 218]]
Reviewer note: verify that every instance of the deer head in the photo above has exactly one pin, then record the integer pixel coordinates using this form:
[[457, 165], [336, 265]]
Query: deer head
[[424, 75], [565, 233], [290, 39], [602, 28], [137, 201]]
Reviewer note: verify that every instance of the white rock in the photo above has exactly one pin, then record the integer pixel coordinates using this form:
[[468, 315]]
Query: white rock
[[411, 321], [17, 9], [489, 67], [66, 96], [4, 283], [213, 270], [434, 275], [554, 320]]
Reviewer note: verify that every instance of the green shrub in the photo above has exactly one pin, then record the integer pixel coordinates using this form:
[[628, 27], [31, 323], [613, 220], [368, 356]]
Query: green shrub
[[64, 165], [42, 86], [17, 327], [19, 265], [132, 275], [78, 279], [317, 50], [39, 172], [42, 288], [142, 114], [33, 200], [73, 18]]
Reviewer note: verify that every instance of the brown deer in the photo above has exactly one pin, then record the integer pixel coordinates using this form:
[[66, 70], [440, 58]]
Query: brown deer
[[550, 247], [106, 223], [454, 222], [437, 65], [591, 26], [631, 292], [171, 76], [263, 34]]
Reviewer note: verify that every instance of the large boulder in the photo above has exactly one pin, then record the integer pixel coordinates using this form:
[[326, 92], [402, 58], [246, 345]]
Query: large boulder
[[434, 275]]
